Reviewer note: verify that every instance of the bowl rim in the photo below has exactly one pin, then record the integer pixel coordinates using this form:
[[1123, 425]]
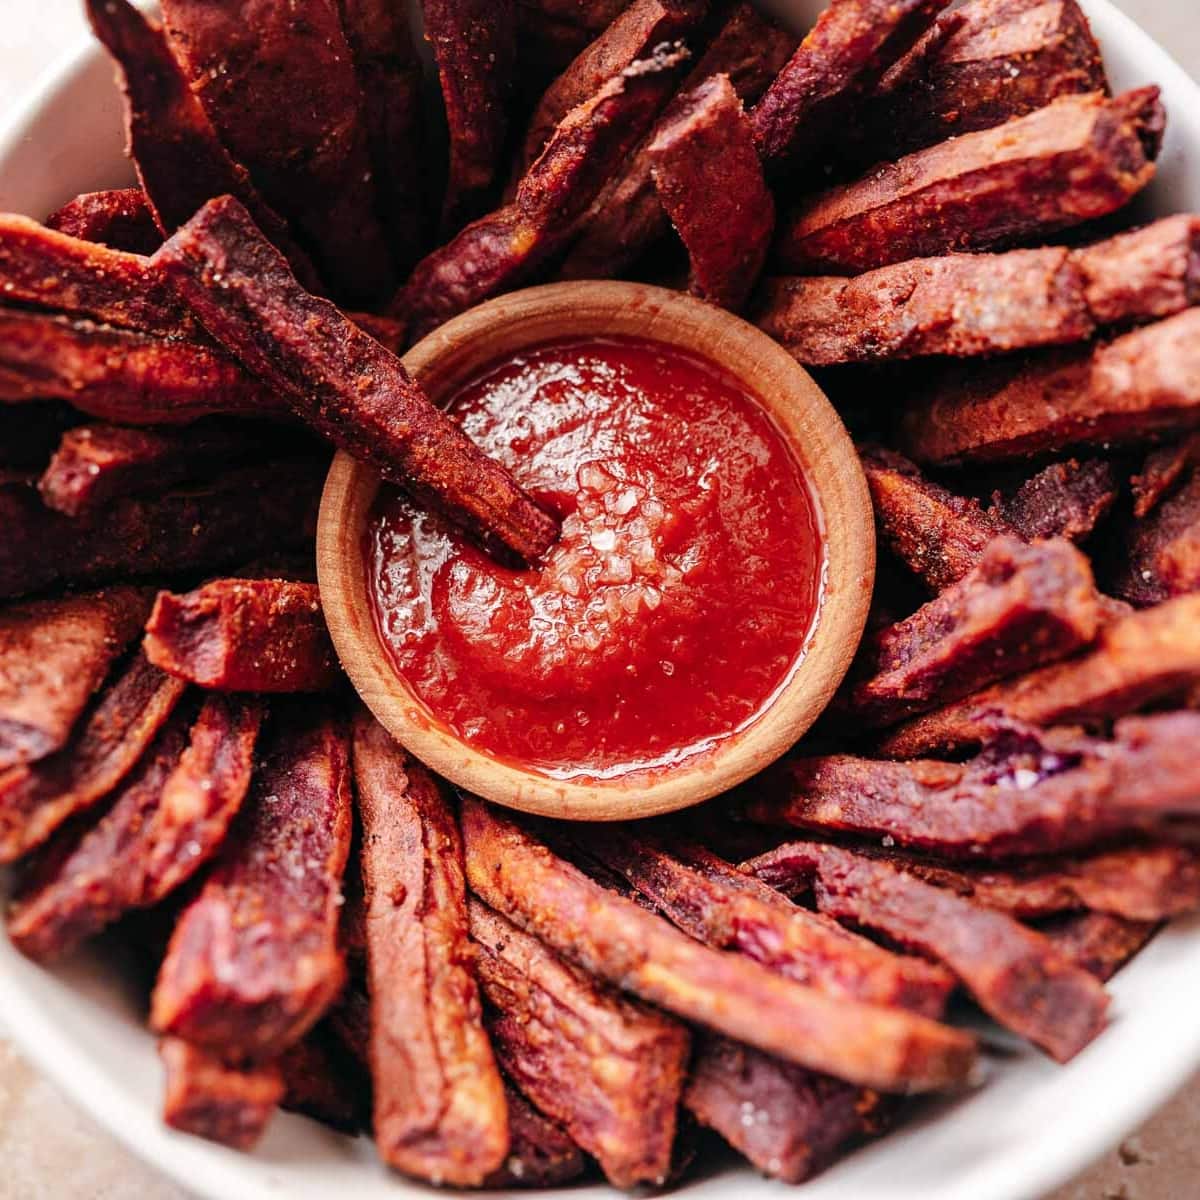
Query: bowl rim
[[801, 414]]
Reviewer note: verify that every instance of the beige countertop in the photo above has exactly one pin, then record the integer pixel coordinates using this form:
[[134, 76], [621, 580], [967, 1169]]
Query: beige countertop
[[49, 1150]]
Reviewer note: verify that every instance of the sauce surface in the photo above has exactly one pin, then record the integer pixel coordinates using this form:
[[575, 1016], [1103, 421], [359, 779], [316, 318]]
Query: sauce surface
[[678, 600]]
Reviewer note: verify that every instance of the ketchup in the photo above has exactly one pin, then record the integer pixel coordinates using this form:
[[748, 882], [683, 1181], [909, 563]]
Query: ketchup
[[678, 600]]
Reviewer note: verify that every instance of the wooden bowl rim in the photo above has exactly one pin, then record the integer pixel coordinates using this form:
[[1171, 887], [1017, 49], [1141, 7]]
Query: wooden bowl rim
[[814, 432]]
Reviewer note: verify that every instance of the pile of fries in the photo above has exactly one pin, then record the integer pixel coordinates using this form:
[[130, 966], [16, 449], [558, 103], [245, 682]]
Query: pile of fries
[[1002, 802]]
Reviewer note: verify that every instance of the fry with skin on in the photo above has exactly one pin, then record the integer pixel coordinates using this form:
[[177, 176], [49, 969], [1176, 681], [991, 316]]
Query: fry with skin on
[[1066, 499], [1099, 942], [1161, 552], [120, 218]]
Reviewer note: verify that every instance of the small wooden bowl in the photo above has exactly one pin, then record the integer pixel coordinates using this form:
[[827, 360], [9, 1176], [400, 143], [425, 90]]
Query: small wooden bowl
[[457, 352]]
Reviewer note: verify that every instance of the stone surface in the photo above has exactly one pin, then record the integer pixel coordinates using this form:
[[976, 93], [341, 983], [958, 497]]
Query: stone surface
[[49, 1150]]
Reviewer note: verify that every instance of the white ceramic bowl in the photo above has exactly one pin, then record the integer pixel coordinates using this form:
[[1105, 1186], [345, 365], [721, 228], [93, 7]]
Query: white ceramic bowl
[[1027, 1129]]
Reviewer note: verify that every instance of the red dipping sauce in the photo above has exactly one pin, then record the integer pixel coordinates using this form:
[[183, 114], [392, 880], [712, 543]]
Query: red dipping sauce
[[676, 604]]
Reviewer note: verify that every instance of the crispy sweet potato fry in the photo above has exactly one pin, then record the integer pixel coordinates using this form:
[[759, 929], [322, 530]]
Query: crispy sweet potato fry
[[1136, 660], [706, 898], [341, 381], [474, 42], [495, 253], [1161, 552], [180, 158], [184, 529], [1066, 499], [1145, 383], [1079, 157], [121, 374], [35, 799], [1164, 467], [710, 181], [607, 1069], [54, 654], [540, 1153], [120, 218], [841, 60], [1016, 976], [1029, 792], [440, 1112], [244, 635], [1098, 942], [614, 938], [1002, 59], [322, 1080], [95, 464], [254, 963], [1021, 607], [627, 217], [310, 159], [205, 1096], [168, 821]]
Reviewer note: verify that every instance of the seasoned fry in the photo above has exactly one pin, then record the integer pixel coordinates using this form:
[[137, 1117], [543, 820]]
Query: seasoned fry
[[341, 381], [709, 179], [440, 1112], [207, 1097], [324, 1081], [1015, 975], [310, 159], [254, 963], [166, 823], [498, 251], [1137, 659], [37, 798], [841, 60], [1079, 157], [54, 654], [474, 42], [715, 904], [244, 635], [120, 218], [607, 1069], [628, 217], [1022, 606], [180, 159], [1066, 499], [1098, 942], [1029, 792], [540, 1153], [1161, 552], [621, 942], [96, 464], [1163, 469], [122, 375], [939, 536], [183, 529], [1145, 383]]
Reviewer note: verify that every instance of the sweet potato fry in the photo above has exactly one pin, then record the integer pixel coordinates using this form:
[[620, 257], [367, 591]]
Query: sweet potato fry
[[540, 1153], [254, 963], [37, 798], [621, 942], [310, 160], [322, 1080], [1015, 975], [193, 528], [440, 1112], [1137, 659], [180, 158], [207, 1097], [96, 464], [1002, 59], [1099, 942], [474, 42], [1021, 607], [1078, 158], [939, 536], [607, 1069], [54, 654], [710, 181], [1165, 466], [1029, 792], [841, 60], [339, 380], [628, 216], [168, 821], [244, 635], [708, 901], [1144, 383], [1161, 552], [498, 251], [121, 374], [120, 218], [1066, 499]]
